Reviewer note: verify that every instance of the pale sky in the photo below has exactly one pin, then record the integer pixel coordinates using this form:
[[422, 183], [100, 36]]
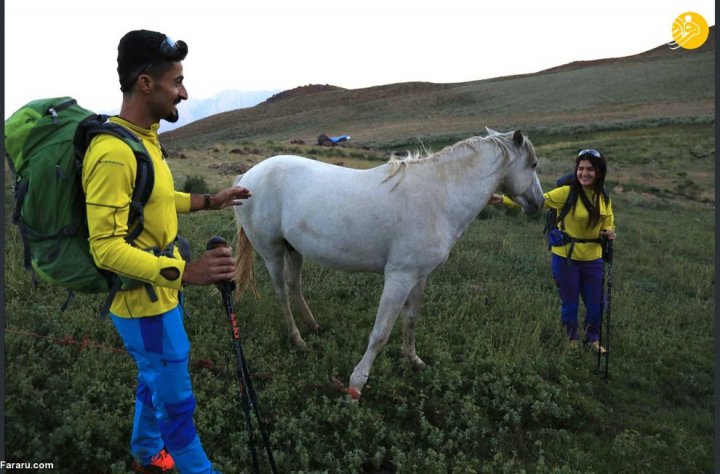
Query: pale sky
[[58, 48]]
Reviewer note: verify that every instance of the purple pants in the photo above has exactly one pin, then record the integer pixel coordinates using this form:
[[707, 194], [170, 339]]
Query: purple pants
[[576, 278]]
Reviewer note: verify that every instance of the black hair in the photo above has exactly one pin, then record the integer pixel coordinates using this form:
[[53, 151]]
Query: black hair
[[146, 52], [593, 207]]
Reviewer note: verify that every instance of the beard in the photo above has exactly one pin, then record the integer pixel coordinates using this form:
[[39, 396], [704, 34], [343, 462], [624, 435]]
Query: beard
[[172, 117]]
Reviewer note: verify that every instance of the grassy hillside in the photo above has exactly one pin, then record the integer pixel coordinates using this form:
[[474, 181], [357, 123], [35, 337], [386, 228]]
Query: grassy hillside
[[502, 392], [658, 86]]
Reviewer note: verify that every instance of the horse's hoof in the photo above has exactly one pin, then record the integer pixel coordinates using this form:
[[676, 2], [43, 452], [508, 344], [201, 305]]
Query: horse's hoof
[[299, 344], [418, 364]]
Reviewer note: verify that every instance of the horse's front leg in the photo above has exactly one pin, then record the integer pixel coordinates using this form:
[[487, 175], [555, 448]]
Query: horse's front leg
[[395, 292], [411, 310]]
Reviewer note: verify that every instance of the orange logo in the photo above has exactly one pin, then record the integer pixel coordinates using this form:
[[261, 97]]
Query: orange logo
[[689, 31]]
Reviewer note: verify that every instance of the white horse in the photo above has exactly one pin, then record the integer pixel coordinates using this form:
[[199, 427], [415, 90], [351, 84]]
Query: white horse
[[400, 219]]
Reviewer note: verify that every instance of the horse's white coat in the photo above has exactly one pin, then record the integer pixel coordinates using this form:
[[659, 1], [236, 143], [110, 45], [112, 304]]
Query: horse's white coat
[[400, 219]]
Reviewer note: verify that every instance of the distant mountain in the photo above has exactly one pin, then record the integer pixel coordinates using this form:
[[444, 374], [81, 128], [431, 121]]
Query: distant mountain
[[651, 87], [196, 109]]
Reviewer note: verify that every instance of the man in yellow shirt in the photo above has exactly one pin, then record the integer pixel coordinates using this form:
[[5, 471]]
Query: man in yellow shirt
[[150, 318]]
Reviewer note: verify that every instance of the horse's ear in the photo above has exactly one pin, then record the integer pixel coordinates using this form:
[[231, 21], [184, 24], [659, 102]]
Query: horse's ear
[[518, 138], [490, 131]]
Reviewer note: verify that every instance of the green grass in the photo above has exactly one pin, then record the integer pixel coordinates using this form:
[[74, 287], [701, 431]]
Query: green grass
[[501, 393]]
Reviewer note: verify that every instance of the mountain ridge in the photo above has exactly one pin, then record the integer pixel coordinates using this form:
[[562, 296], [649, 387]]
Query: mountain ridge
[[651, 85]]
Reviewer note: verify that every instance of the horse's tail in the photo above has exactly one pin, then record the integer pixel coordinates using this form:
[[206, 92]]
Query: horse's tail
[[244, 263]]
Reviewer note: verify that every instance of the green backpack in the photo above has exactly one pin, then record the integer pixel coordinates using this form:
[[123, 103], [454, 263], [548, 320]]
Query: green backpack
[[45, 142]]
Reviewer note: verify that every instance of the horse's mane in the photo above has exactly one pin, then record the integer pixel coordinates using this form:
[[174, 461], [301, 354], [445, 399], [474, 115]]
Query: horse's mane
[[400, 164], [397, 163]]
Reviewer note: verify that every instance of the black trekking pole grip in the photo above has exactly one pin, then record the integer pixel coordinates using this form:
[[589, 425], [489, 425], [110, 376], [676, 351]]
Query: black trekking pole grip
[[607, 249], [215, 242]]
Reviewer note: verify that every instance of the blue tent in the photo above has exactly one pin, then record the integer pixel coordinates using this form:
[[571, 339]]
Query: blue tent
[[341, 138]]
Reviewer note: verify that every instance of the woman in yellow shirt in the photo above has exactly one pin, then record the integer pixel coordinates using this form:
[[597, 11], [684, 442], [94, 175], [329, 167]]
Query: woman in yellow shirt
[[577, 263]]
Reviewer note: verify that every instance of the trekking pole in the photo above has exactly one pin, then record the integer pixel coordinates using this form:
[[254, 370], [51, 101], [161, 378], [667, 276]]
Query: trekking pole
[[607, 307], [600, 324], [247, 391]]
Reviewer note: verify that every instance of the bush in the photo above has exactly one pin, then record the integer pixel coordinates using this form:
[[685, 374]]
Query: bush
[[195, 185]]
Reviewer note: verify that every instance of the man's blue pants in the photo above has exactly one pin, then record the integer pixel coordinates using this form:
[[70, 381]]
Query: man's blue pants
[[164, 401]]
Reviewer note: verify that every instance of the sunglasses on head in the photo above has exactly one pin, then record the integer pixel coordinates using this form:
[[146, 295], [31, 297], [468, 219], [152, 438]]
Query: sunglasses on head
[[169, 47], [590, 152]]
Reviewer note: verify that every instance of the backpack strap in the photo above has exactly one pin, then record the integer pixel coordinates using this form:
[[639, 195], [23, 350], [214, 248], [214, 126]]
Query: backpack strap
[[144, 182], [145, 176], [144, 179], [20, 190], [569, 202], [180, 242], [572, 197]]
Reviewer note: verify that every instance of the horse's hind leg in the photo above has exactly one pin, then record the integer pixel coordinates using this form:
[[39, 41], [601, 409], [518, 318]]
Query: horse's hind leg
[[293, 277], [275, 263], [411, 310], [395, 292]]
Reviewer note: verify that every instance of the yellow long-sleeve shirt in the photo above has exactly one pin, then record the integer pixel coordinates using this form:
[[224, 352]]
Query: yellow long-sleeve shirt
[[108, 179], [575, 223]]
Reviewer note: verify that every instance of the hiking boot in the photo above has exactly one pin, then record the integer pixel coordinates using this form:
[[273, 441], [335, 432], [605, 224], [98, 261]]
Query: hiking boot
[[595, 346], [161, 463]]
